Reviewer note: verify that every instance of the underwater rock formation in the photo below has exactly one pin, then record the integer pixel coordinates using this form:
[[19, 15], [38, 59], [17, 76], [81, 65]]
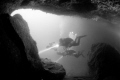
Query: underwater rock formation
[[104, 62], [19, 54], [107, 9], [55, 69], [16, 51]]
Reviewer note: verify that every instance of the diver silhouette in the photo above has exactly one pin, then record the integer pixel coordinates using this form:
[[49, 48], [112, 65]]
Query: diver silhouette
[[72, 40], [69, 42], [71, 53]]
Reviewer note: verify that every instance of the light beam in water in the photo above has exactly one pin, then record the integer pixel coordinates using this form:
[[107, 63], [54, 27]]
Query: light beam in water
[[55, 46], [59, 59]]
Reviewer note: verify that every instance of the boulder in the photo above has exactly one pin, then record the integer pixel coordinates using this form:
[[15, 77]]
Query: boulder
[[104, 61]]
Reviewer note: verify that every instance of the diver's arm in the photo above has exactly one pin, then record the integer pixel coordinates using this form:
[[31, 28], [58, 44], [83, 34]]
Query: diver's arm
[[61, 53], [51, 44], [77, 41]]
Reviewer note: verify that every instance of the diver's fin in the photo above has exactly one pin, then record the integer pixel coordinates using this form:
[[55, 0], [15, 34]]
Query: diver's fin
[[80, 53]]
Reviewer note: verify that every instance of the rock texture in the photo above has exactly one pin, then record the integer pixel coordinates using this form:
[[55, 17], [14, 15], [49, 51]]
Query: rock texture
[[107, 9], [19, 57], [19, 54], [53, 69], [104, 62]]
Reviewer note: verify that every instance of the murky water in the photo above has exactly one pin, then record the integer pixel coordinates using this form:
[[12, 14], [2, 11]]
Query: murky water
[[49, 28]]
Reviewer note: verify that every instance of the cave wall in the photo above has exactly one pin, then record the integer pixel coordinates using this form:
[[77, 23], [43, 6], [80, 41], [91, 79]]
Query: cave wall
[[19, 54], [14, 50], [14, 61], [104, 62], [22, 29]]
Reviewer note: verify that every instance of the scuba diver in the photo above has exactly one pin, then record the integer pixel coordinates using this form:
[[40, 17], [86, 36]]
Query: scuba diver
[[72, 40], [71, 53], [67, 43]]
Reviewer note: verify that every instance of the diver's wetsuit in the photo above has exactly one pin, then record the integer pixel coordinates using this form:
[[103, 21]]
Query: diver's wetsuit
[[68, 42], [76, 42], [65, 42]]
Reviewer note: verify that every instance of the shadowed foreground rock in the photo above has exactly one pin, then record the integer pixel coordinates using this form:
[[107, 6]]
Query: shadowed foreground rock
[[104, 62], [53, 69], [19, 55]]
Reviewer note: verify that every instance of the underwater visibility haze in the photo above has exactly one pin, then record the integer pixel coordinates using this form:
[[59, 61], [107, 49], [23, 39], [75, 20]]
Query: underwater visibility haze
[[46, 28]]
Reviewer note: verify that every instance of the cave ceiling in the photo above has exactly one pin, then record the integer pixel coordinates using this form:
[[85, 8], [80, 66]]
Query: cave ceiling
[[86, 8]]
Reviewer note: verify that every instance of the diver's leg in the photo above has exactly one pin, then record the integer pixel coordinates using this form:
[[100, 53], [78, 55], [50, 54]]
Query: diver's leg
[[79, 53], [77, 40]]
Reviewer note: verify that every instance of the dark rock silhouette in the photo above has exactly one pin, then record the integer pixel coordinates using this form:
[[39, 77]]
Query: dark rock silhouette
[[104, 62], [19, 54], [106, 9], [53, 69]]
